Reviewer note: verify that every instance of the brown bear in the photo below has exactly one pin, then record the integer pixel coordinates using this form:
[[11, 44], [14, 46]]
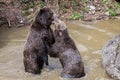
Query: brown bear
[[65, 49], [35, 51]]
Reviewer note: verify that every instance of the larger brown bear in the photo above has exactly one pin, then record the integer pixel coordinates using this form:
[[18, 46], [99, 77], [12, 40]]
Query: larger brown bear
[[65, 49], [35, 51]]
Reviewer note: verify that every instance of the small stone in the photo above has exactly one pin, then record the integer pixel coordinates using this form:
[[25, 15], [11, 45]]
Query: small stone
[[31, 10], [92, 7], [112, 62], [107, 13], [21, 21]]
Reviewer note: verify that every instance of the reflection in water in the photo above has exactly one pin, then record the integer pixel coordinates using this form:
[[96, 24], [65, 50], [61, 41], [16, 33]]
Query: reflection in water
[[89, 38], [92, 27]]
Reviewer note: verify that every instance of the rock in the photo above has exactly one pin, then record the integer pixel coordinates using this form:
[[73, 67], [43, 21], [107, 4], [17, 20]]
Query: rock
[[107, 13], [111, 57], [31, 10], [92, 7], [99, 17]]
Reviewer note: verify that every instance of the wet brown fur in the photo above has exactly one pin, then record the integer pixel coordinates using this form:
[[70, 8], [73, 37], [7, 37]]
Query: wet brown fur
[[40, 35], [65, 49]]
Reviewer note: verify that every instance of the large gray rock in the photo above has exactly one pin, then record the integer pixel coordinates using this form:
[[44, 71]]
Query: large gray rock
[[111, 57]]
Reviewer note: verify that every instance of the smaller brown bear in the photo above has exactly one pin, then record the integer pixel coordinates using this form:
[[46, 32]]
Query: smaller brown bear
[[65, 49]]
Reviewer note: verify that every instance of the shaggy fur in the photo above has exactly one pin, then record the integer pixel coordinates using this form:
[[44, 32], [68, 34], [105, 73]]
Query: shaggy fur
[[69, 56], [40, 35]]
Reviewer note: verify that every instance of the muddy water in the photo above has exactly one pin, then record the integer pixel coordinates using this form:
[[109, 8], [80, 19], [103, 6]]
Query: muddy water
[[89, 38]]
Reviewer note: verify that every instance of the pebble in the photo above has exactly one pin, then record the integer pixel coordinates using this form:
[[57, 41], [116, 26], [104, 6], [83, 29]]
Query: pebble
[[107, 13], [92, 7]]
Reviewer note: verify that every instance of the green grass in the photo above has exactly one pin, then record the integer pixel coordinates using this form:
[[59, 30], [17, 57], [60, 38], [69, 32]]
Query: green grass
[[112, 12], [111, 7], [76, 16], [86, 10]]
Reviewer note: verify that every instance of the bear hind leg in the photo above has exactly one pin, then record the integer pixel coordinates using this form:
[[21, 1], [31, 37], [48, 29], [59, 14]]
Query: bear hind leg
[[31, 66]]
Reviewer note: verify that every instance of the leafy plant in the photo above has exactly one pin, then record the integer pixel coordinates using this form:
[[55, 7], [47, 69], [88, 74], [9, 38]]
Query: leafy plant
[[117, 5], [74, 3], [42, 4], [112, 12], [76, 15], [27, 12], [86, 10], [105, 1], [84, 1], [26, 1], [31, 4]]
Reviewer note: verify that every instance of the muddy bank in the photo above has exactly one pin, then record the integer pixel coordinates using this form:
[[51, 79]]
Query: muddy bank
[[87, 10], [24, 11]]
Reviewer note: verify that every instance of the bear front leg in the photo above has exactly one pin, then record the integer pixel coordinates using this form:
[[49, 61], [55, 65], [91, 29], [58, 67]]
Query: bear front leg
[[54, 51]]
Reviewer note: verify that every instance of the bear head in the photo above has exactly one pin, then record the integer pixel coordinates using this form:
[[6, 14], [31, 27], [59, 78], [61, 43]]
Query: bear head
[[45, 17]]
